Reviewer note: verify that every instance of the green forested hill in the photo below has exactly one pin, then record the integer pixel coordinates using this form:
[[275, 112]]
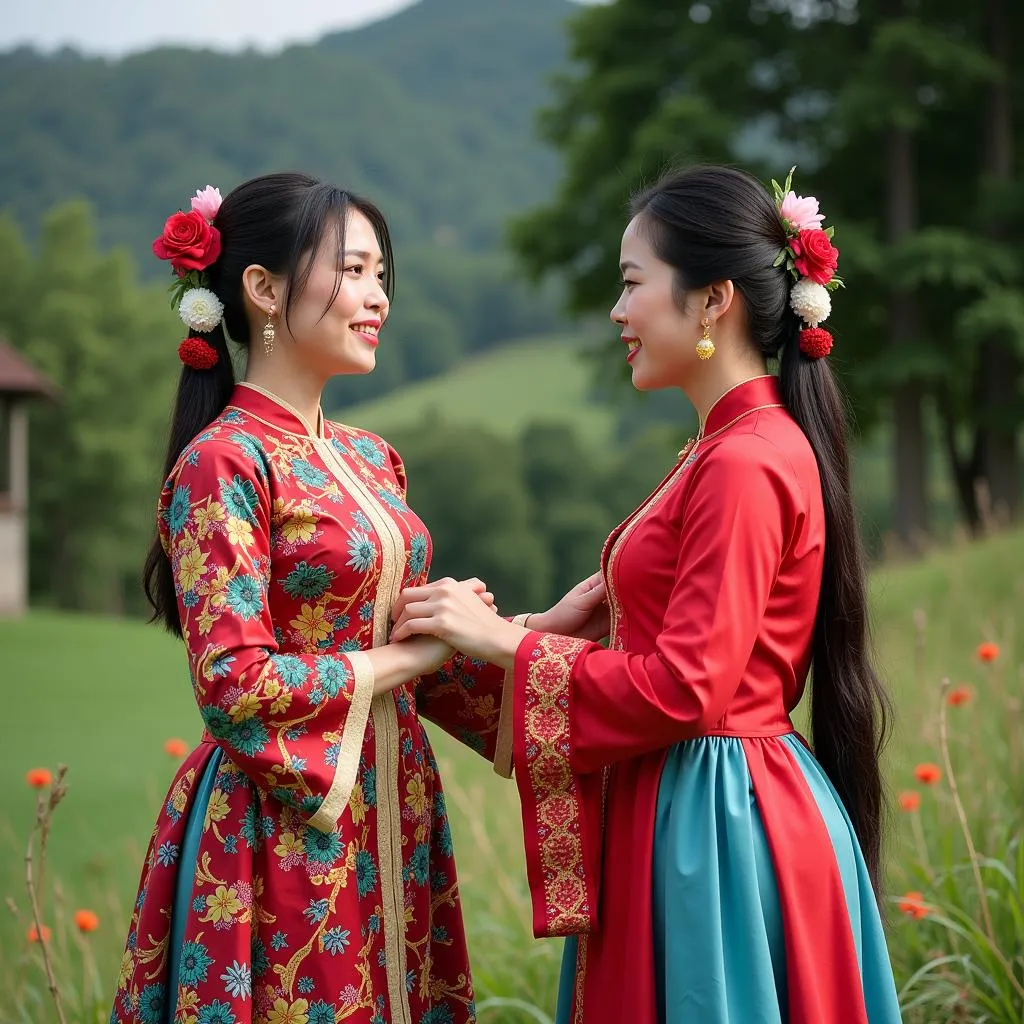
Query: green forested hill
[[429, 112]]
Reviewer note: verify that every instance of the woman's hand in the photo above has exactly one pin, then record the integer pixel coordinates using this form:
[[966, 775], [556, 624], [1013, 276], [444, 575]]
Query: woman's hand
[[583, 612], [454, 612], [395, 664], [430, 652]]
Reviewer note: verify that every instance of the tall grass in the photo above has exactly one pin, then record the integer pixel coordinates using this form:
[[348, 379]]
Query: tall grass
[[956, 864]]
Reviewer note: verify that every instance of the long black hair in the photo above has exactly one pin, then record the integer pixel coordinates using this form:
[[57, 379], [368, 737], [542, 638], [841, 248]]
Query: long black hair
[[717, 224], [277, 221]]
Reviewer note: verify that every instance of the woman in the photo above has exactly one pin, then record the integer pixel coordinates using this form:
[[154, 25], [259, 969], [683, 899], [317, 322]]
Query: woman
[[714, 869], [301, 869]]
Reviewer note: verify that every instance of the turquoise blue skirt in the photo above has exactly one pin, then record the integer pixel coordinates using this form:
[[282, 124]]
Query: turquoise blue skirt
[[719, 945]]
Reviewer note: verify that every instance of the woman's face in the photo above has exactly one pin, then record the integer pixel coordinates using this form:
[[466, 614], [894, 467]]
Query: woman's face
[[661, 338], [339, 335]]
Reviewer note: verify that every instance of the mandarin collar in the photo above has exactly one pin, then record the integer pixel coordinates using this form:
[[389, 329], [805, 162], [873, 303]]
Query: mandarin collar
[[742, 398], [269, 408]]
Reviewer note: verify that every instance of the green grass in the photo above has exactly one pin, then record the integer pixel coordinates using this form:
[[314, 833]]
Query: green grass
[[103, 695], [502, 390]]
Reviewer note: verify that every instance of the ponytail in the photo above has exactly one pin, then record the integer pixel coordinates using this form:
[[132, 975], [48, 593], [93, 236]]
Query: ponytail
[[850, 710], [201, 398]]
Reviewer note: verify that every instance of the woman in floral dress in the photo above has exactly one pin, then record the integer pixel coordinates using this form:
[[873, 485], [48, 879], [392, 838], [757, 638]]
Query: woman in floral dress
[[301, 868]]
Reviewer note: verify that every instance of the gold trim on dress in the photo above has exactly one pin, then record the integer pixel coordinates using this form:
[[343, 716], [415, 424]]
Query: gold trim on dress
[[318, 433], [385, 724], [352, 735], [580, 981], [506, 719], [559, 868]]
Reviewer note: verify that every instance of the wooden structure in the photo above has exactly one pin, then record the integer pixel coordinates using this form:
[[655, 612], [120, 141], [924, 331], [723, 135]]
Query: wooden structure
[[19, 383]]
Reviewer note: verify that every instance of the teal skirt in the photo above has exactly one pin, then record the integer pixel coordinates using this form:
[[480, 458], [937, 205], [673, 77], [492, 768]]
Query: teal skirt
[[719, 938]]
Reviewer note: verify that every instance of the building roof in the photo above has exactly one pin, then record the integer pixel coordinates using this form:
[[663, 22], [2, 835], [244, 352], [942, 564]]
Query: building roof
[[19, 377]]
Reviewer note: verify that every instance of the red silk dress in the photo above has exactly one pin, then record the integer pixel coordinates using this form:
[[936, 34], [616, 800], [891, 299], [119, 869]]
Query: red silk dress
[[301, 870], [639, 840]]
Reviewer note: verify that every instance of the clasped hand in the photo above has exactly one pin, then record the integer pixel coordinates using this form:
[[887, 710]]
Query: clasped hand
[[462, 614], [458, 612]]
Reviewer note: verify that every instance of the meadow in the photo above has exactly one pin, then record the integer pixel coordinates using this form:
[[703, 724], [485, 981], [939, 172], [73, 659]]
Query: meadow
[[103, 696], [507, 388]]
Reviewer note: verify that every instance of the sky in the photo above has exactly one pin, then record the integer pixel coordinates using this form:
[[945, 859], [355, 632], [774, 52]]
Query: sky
[[115, 27]]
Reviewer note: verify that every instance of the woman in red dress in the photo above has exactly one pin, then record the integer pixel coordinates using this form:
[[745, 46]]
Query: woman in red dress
[[707, 868]]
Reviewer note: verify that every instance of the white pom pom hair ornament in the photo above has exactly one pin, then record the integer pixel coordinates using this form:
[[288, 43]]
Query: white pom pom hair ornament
[[201, 310], [811, 302]]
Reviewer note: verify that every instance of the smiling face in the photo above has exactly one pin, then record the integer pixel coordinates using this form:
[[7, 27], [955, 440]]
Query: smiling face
[[334, 322], [660, 337]]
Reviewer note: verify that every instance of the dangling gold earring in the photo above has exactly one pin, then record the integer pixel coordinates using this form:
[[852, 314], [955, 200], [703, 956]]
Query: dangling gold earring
[[705, 347], [268, 332]]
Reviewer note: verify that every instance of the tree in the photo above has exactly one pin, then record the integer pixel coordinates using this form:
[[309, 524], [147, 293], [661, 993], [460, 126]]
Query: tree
[[95, 457], [861, 95], [467, 486]]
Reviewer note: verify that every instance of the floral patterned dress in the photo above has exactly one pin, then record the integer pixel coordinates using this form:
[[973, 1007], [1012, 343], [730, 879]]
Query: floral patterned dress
[[301, 869]]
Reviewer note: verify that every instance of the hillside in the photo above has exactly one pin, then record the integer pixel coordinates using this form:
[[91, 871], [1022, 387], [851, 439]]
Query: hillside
[[505, 389], [429, 113], [382, 109]]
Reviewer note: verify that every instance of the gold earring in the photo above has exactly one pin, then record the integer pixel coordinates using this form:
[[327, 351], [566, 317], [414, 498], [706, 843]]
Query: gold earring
[[705, 347], [268, 332]]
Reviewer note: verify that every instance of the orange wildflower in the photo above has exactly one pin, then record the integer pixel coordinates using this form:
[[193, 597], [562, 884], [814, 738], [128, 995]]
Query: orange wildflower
[[39, 778], [988, 651], [86, 921], [912, 904], [959, 695], [928, 773], [33, 934], [910, 800], [176, 748]]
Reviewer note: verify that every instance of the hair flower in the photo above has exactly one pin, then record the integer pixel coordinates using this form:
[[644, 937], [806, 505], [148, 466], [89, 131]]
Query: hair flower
[[206, 203], [198, 354], [800, 213], [191, 244], [815, 342], [811, 259], [811, 302], [188, 242], [200, 310]]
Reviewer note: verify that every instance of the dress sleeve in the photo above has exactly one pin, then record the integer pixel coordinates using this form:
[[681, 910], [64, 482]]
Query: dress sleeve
[[293, 723], [579, 707]]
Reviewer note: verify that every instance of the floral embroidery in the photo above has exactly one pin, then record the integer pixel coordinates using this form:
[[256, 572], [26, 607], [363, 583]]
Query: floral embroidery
[[369, 450], [308, 474], [308, 581], [177, 514], [558, 881], [362, 552], [417, 554]]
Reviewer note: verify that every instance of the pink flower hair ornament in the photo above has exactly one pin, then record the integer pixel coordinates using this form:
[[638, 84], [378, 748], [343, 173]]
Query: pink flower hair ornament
[[191, 244], [811, 259]]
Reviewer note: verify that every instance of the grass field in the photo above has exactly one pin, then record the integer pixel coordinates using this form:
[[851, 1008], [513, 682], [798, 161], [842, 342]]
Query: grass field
[[503, 389], [102, 696]]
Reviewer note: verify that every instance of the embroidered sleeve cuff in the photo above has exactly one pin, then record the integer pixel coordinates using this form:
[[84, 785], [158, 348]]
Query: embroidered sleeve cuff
[[558, 807], [503, 746], [327, 815]]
